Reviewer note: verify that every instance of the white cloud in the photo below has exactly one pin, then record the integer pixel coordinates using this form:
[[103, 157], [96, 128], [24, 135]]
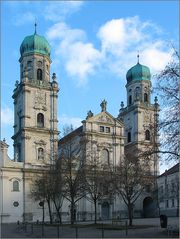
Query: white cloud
[[58, 11], [122, 39], [81, 58], [60, 31], [7, 116], [66, 120], [156, 57]]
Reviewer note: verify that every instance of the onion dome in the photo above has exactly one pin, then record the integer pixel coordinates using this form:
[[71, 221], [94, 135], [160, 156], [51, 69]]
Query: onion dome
[[138, 73], [35, 44]]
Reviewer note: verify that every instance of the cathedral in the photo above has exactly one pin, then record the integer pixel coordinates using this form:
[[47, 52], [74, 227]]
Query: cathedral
[[36, 143]]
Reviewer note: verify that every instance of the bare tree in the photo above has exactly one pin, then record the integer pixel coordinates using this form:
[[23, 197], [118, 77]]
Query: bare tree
[[168, 89], [132, 177], [73, 175], [98, 180], [42, 191], [57, 187], [67, 129]]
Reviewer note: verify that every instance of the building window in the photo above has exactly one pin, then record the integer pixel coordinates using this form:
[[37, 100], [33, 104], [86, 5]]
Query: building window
[[147, 135], [15, 186], [105, 156], [39, 63], [40, 120], [145, 97], [107, 129], [167, 203], [101, 128], [130, 99], [40, 153], [172, 203], [39, 74], [29, 63], [129, 137]]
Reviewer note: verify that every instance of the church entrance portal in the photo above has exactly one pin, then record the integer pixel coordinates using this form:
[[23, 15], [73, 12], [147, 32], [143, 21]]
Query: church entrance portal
[[105, 210], [148, 207]]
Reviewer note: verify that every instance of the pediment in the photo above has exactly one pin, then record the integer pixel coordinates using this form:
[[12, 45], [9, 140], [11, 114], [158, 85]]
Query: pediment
[[105, 118]]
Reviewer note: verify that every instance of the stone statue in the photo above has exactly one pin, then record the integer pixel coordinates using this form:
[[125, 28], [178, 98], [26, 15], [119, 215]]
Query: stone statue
[[103, 105], [89, 114]]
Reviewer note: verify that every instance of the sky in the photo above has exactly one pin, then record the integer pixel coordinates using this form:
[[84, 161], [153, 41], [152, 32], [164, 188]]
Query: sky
[[93, 44]]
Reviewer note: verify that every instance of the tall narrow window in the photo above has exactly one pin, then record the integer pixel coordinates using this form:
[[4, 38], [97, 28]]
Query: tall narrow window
[[101, 128], [39, 74], [15, 186], [105, 156], [129, 137], [145, 97], [40, 153], [130, 99], [147, 135], [40, 120]]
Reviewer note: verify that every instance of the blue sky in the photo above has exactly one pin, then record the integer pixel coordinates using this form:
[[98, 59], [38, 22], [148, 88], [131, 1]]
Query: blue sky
[[93, 43]]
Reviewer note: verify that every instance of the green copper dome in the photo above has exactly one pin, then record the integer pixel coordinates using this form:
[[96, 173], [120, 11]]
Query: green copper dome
[[35, 44], [138, 73]]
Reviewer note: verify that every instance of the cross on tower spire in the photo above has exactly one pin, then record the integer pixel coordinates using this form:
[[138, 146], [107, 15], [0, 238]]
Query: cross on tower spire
[[35, 25], [138, 57]]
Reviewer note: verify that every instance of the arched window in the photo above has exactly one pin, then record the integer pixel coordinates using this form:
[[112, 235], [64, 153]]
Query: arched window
[[39, 74], [105, 156], [40, 153], [29, 63], [129, 137], [15, 186], [145, 97], [130, 99], [147, 135], [137, 93], [40, 120]]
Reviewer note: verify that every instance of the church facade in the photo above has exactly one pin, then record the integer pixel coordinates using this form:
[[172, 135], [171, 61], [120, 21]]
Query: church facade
[[36, 136]]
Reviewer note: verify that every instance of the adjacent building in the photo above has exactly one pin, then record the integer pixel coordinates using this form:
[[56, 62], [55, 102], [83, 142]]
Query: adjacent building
[[168, 191]]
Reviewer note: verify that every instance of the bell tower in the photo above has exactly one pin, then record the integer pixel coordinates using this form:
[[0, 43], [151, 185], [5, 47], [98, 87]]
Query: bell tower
[[35, 104], [140, 117]]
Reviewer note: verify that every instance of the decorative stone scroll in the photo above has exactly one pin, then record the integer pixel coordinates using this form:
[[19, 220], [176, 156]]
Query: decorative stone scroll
[[105, 118]]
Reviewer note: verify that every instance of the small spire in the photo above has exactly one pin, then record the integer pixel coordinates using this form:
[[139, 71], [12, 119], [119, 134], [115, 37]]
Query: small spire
[[35, 25], [138, 57]]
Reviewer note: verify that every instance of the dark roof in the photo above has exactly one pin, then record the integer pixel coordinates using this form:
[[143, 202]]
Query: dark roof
[[72, 134], [170, 171]]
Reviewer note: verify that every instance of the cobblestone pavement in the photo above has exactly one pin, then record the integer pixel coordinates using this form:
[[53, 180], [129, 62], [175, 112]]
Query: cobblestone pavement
[[151, 229]]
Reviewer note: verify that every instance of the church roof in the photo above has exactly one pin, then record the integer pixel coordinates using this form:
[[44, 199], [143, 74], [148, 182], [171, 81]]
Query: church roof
[[35, 44], [170, 171], [137, 73]]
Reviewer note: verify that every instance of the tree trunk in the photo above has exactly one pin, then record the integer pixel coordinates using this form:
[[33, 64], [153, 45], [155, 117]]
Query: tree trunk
[[50, 214], [130, 213], [58, 211], [72, 212], [95, 211], [43, 212]]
